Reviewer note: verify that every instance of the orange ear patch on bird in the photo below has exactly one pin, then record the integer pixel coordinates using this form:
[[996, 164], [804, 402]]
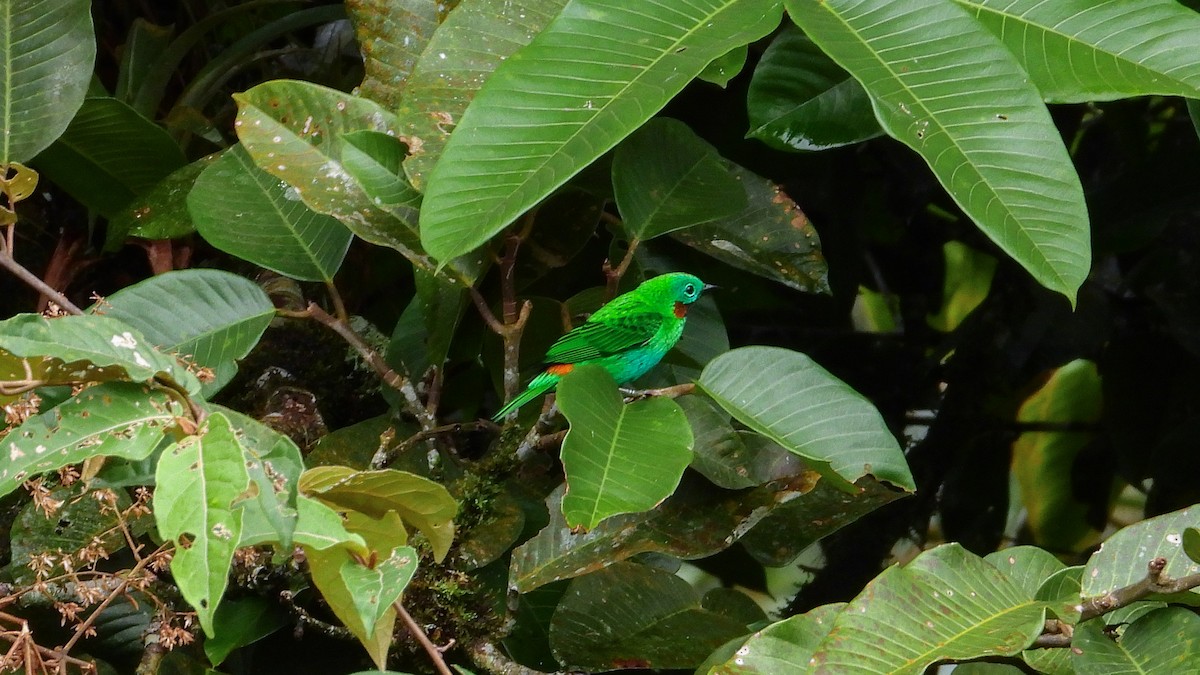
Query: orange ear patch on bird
[[560, 369], [680, 310]]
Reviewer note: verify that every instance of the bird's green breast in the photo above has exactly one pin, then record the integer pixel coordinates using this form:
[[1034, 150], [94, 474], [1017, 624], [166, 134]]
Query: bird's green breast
[[635, 362]]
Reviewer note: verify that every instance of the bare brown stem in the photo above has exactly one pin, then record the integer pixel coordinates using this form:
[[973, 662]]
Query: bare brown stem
[[613, 275], [491, 659], [32, 280], [390, 377], [339, 307], [1155, 582], [383, 456], [435, 654]]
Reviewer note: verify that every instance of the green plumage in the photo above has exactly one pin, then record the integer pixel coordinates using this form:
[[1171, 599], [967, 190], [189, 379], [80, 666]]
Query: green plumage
[[626, 337]]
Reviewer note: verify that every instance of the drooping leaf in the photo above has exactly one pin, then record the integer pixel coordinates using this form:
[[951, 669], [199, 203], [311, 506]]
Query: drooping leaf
[[947, 604], [1162, 642], [1042, 460], [618, 458], [375, 160], [790, 399], [732, 459], [109, 155], [328, 568], [1073, 54], [667, 178], [567, 98], [48, 50], [374, 589], [391, 35], [474, 39], [419, 501], [958, 98], [73, 349], [210, 317], [1122, 560], [799, 99], [784, 646], [635, 616], [771, 237], [250, 214], [144, 46], [198, 481], [695, 522]]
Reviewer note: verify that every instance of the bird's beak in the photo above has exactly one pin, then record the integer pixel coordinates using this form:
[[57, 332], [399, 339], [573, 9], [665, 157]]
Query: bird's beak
[[710, 287]]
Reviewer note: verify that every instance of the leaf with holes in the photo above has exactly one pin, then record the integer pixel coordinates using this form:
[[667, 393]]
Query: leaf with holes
[[198, 482], [274, 464], [374, 589], [958, 98], [210, 317], [567, 98], [391, 34], [75, 349], [618, 458]]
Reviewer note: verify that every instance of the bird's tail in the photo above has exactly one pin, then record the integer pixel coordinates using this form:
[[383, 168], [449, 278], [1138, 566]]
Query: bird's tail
[[540, 385]]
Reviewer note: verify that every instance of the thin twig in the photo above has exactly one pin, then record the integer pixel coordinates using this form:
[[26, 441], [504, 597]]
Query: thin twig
[[491, 659], [31, 279], [1155, 582], [613, 276], [435, 654], [530, 443], [384, 456], [390, 377], [324, 628]]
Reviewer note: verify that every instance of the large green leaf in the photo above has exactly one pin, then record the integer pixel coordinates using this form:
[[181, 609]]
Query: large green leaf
[[581, 86], [945, 604], [374, 589], [618, 458], [391, 34], [474, 39], [1088, 50], [1122, 560], [790, 399], [666, 178], [636, 616], [944, 86], [109, 155], [248, 213], [74, 349], [274, 464], [198, 481], [47, 50], [210, 317], [801, 100]]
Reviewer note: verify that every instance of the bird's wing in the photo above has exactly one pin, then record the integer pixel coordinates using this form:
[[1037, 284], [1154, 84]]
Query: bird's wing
[[612, 335]]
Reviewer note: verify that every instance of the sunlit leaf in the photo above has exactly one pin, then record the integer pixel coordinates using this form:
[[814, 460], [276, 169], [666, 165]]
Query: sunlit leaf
[[784, 646], [1122, 560], [967, 282], [274, 464]]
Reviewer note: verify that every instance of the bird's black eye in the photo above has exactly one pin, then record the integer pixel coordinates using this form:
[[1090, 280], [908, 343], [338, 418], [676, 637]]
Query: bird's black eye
[[690, 290]]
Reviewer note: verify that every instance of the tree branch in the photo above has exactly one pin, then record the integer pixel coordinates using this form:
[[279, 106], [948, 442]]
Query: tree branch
[[435, 654], [488, 657], [1155, 581], [32, 280]]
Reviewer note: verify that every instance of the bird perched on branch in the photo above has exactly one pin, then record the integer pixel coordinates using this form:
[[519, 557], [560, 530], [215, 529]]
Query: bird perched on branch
[[626, 337]]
